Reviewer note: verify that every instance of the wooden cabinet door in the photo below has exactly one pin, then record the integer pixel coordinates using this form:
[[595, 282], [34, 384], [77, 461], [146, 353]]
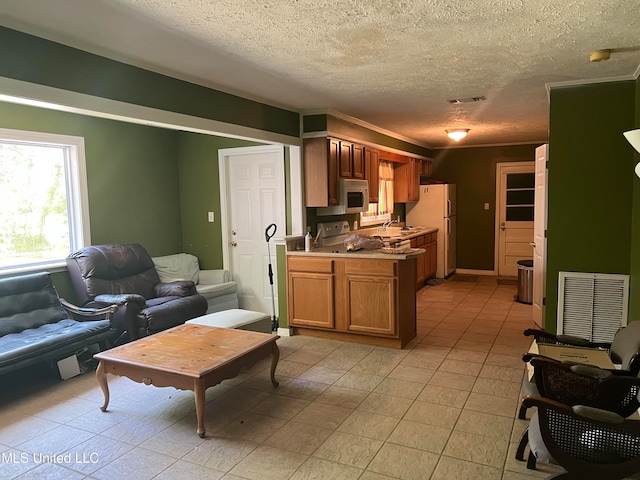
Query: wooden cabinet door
[[332, 166], [370, 292], [372, 172], [345, 160], [311, 300], [431, 257], [310, 294], [414, 180], [406, 181], [420, 262], [426, 168], [358, 166], [370, 304]]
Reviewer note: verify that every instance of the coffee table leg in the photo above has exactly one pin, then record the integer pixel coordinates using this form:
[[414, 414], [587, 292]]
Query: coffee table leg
[[275, 356], [102, 381], [198, 392]]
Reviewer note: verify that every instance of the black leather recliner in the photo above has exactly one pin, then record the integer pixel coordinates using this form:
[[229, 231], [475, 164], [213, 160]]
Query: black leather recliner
[[126, 276]]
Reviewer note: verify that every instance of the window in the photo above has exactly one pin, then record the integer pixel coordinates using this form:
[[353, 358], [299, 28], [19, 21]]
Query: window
[[44, 213], [381, 212], [520, 197]]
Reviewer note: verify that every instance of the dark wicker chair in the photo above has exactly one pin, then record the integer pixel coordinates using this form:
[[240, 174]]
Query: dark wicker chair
[[589, 443], [624, 350], [576, 384]]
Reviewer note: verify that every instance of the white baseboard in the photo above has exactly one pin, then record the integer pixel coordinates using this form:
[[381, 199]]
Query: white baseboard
[[465, 271], [284, 332]]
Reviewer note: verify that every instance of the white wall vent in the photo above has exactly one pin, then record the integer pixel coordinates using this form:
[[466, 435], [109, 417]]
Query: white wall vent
[[592, 305]]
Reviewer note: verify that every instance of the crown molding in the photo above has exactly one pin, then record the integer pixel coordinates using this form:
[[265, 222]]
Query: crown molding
[[362, 123], [575, 83]]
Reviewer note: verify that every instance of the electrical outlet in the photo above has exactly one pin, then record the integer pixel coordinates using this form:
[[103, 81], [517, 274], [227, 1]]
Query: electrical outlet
[[211, 217]]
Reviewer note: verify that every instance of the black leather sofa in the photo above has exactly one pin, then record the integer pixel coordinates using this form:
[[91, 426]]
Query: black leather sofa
[[125, 275], [35, 328]]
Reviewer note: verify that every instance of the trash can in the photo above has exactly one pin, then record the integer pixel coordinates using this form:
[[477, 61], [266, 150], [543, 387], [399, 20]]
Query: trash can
[[525, 281]]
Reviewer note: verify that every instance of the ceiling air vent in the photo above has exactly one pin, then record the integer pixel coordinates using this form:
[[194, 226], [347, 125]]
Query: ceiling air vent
[[455, 101]]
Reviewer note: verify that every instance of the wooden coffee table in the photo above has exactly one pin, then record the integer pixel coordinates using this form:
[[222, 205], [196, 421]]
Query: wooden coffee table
[[188, 357]]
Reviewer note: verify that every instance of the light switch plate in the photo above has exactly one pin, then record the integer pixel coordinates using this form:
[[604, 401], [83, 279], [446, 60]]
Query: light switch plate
[[486, 206], [210, 216]]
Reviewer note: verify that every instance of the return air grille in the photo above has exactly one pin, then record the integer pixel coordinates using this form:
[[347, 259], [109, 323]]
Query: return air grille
[[466, 100], [592, 305]]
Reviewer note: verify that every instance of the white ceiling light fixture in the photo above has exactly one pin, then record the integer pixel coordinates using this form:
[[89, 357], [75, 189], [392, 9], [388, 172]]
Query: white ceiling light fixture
[[633, 137], [457, 134], [600, 55]]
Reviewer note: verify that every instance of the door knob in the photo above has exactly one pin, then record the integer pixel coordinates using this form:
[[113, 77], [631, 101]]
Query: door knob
[[503, 226], [234, 243], [532, 244], [233, 232]]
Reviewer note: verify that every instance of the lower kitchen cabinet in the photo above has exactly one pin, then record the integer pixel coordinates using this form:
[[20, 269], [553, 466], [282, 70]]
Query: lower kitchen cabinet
[[371, 295], [427, 265], [310, 290], [369, 301]]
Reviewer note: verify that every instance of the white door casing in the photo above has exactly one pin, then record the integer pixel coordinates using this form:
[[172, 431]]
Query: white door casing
[[513, 238], [252, 196], [539, 237]]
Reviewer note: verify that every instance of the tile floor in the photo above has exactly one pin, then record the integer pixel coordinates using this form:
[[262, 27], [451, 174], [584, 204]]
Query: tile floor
[[443, 408]]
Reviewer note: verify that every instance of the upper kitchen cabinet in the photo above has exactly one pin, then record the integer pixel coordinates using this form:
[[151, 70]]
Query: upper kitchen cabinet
[[372, 172], [351, 160], [406, 181], [326, 160], [426, 168], [321, 171], [358, 162]]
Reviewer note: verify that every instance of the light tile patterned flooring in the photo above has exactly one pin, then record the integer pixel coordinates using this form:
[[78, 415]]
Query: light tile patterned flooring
[[443, 408]]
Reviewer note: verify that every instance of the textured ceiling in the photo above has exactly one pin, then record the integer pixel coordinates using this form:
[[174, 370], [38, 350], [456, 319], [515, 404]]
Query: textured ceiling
[[391, 63]]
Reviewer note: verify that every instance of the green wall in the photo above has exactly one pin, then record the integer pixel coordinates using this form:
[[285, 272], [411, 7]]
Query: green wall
[[590, 183], [132, 175], [132, 178], [473, 170], [40, 61], [634, 300], [145, 185], [199, 187]]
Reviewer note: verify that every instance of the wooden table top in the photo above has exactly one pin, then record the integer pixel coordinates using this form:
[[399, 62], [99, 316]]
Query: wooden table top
[[189, 350]]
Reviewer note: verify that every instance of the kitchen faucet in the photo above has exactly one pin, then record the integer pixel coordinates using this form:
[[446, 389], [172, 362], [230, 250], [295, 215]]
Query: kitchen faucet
[[387, 224]]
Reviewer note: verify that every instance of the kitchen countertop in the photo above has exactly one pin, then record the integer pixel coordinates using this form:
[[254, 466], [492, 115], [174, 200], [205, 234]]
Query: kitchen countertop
[[341, 250]]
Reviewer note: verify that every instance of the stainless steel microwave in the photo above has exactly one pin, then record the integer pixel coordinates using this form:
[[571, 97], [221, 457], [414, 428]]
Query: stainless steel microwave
[[353, 197]]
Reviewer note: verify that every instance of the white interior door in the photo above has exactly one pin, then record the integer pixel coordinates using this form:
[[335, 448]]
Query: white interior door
[[539, 237], [252, 187], [515, 196]]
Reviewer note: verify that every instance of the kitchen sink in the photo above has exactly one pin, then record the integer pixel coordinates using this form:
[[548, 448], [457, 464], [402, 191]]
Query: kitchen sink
[[388, 232]]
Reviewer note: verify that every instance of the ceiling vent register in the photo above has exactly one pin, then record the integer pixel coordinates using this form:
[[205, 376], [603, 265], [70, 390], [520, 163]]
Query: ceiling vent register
[[455, 101]]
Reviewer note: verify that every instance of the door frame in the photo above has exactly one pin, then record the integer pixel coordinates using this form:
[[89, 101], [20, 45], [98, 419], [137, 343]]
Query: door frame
[[499, 167], [225, 199]]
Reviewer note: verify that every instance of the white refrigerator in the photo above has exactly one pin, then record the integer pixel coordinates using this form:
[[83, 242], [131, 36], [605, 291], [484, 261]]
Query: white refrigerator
[[437, 208]]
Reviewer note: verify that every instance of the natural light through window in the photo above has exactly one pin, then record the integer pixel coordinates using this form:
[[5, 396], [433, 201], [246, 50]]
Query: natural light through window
[[43, 206], [381, 211]]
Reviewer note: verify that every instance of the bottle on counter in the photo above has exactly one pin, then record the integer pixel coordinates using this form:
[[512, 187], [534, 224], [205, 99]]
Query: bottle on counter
[[307, 242]]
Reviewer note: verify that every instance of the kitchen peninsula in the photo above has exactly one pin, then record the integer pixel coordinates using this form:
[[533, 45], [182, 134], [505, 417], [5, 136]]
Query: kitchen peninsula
[[366, 296]]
